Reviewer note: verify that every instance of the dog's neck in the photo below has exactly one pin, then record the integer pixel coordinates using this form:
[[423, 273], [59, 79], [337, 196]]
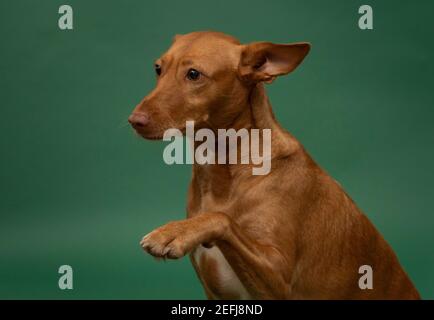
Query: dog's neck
[[257, 114], [282, 142]]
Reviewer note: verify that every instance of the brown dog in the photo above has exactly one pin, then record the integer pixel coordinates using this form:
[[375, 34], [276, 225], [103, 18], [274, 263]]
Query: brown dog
[[291, 234]]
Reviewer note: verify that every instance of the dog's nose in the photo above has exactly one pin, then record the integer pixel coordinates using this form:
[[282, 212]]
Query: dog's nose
[[138, 120]]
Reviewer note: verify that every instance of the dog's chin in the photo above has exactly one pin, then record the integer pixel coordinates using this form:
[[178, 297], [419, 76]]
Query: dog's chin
[[151, 137], [154, 135]]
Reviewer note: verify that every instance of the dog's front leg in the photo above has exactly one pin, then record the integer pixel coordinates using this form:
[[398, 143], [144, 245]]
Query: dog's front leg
[[176, 239], [262, 269]]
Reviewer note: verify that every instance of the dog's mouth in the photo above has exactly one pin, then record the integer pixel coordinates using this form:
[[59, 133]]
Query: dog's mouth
[[148, 136], [153, 136]]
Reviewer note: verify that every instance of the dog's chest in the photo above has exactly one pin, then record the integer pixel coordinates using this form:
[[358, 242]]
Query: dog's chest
[[218, 276]]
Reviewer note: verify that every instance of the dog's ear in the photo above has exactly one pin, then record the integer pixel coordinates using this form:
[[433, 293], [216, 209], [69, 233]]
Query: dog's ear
[[176, 37], [264, 61]]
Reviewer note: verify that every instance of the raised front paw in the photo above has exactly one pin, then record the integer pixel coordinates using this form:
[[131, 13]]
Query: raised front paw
[[173, 240]]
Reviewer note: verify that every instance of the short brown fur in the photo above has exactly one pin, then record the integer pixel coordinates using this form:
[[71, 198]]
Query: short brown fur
[[291, 234]]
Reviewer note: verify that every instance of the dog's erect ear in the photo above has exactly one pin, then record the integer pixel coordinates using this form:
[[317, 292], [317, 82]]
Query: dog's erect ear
[[264, 61], [176, 37]]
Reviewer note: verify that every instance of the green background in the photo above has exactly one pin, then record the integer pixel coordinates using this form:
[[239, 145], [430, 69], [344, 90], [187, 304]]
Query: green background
[[78, 187]]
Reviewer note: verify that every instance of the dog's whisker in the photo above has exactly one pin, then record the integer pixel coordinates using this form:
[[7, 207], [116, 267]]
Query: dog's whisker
[[123, 123]]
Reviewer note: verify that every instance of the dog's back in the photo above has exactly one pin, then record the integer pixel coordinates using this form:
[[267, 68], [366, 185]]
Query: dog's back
[[335, 239]]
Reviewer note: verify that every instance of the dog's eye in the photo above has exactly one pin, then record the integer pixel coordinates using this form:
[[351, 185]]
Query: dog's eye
[[157, 69], [193, 75]]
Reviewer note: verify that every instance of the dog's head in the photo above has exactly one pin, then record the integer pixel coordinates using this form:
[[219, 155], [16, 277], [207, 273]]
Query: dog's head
[[206, 77]]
